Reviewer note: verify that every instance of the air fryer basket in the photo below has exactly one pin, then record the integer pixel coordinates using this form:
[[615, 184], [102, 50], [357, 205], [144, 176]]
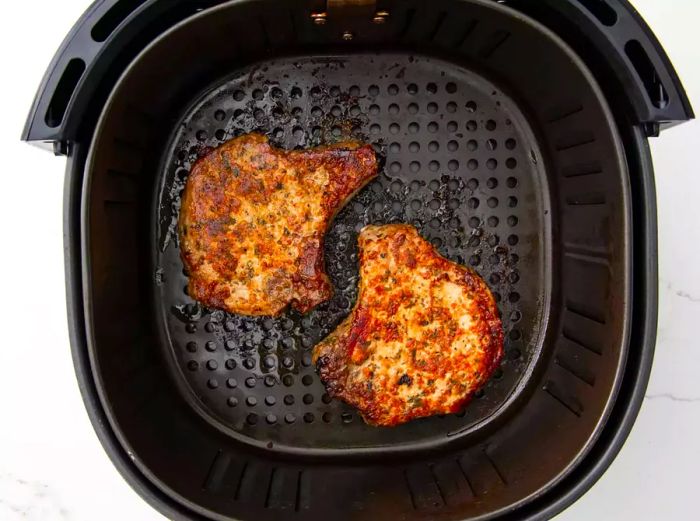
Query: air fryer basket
[[496, 142]]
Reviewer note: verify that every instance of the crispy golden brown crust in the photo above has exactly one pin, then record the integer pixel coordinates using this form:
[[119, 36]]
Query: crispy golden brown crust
[[423, 337], [253, 219]]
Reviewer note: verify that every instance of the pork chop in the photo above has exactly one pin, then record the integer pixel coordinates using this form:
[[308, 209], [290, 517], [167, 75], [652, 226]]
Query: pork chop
[[424, 335], [253, 219]]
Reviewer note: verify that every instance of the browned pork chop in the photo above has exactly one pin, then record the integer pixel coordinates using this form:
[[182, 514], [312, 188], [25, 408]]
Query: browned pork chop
[[253, 219], [424, 335]]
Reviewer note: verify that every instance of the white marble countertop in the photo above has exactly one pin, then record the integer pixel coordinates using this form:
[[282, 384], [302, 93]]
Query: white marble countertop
[[53, 467]]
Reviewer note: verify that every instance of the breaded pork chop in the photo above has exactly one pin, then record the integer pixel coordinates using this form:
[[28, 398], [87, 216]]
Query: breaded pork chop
[[424, 335], [253, 219]]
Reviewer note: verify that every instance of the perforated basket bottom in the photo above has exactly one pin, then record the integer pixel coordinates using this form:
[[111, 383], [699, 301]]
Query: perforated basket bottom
[[461, 164]]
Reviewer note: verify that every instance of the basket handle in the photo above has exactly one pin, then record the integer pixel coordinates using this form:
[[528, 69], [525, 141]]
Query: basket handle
[[74, 81], [612, 34]]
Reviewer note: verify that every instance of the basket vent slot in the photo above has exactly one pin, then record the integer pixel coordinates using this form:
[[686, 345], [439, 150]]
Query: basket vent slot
[[647, 73], [601, 10], [64, 91], [112, 18]]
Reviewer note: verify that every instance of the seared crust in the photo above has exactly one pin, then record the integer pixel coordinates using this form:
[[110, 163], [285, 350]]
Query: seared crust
[[253, 218], [424, 335]]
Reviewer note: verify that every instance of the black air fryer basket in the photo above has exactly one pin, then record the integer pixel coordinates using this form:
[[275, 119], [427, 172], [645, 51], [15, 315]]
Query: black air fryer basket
[[513, 135]]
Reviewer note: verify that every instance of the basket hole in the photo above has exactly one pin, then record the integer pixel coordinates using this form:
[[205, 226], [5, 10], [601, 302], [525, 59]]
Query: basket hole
[[471, 125], [647, 73], [64, 91], [112, 18], [472, 145], [601, 10], [431, 88], [432, 107], [309, 417], [393, 89], [451, 87], [393, 109]]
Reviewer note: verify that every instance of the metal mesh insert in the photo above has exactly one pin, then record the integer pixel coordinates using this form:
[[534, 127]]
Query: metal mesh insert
[[459, 162]]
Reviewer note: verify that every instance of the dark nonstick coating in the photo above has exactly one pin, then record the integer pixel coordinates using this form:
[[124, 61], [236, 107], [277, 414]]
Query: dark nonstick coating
[[459, 162]]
